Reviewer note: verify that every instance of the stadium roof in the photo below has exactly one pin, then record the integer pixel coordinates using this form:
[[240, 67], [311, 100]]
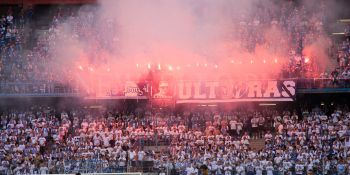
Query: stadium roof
[[47, 1]]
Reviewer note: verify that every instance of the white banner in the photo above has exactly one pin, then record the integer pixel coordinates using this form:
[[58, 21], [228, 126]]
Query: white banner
[[235, 91]]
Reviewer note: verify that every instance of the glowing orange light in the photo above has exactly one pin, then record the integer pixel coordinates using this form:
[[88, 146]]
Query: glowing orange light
[[170, 68], [275, 60], [251, 61], [80, 67], [137, 65], [307, 59], [149, 66], [232, 61], [264, 61], [159, 68]]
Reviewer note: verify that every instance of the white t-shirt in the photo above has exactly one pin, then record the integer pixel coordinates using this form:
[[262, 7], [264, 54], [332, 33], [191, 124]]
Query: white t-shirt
[[191, 170], [42, 140], [140, 155], [239, 126], [268, 136], [310, 167], [9, 18], [280, 128], [240, 170], [44, 170], [106, 141], [287, 165], [233, 124], [259, 170], [21, 147], [299, 169], [228, 170], [269, 170], [254, 122], [132, 155], [96, 141], [34, 139]]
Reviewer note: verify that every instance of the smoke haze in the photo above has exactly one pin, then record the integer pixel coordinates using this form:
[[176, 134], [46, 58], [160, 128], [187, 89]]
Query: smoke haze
[[122, 39]]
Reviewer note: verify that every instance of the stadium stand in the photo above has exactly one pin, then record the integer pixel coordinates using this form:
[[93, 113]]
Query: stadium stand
[[49, 126]]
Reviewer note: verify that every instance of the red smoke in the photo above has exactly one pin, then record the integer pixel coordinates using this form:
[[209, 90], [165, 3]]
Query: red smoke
[[176, 38]]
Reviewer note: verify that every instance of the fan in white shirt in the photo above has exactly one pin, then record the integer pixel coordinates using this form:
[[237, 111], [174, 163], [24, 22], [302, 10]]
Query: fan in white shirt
[[42, 141], [240, 169], [228, 169], [299, 168], [269, 169], [191, 170]]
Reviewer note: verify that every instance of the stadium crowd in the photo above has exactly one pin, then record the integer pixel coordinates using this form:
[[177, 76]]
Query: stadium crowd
[[44, 140]]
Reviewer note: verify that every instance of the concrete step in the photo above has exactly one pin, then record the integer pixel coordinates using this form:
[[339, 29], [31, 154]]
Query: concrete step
[[156, 148], [255, 144]]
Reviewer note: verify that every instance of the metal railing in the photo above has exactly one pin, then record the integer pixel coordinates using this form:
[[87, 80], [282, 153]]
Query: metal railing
[[320, 83], [38, 89], [102, 166], [48, 89]]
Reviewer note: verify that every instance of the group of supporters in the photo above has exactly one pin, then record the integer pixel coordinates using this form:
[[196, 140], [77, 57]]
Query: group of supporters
[[11, 40], [285, 31], [46, 140], [342, 71]]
